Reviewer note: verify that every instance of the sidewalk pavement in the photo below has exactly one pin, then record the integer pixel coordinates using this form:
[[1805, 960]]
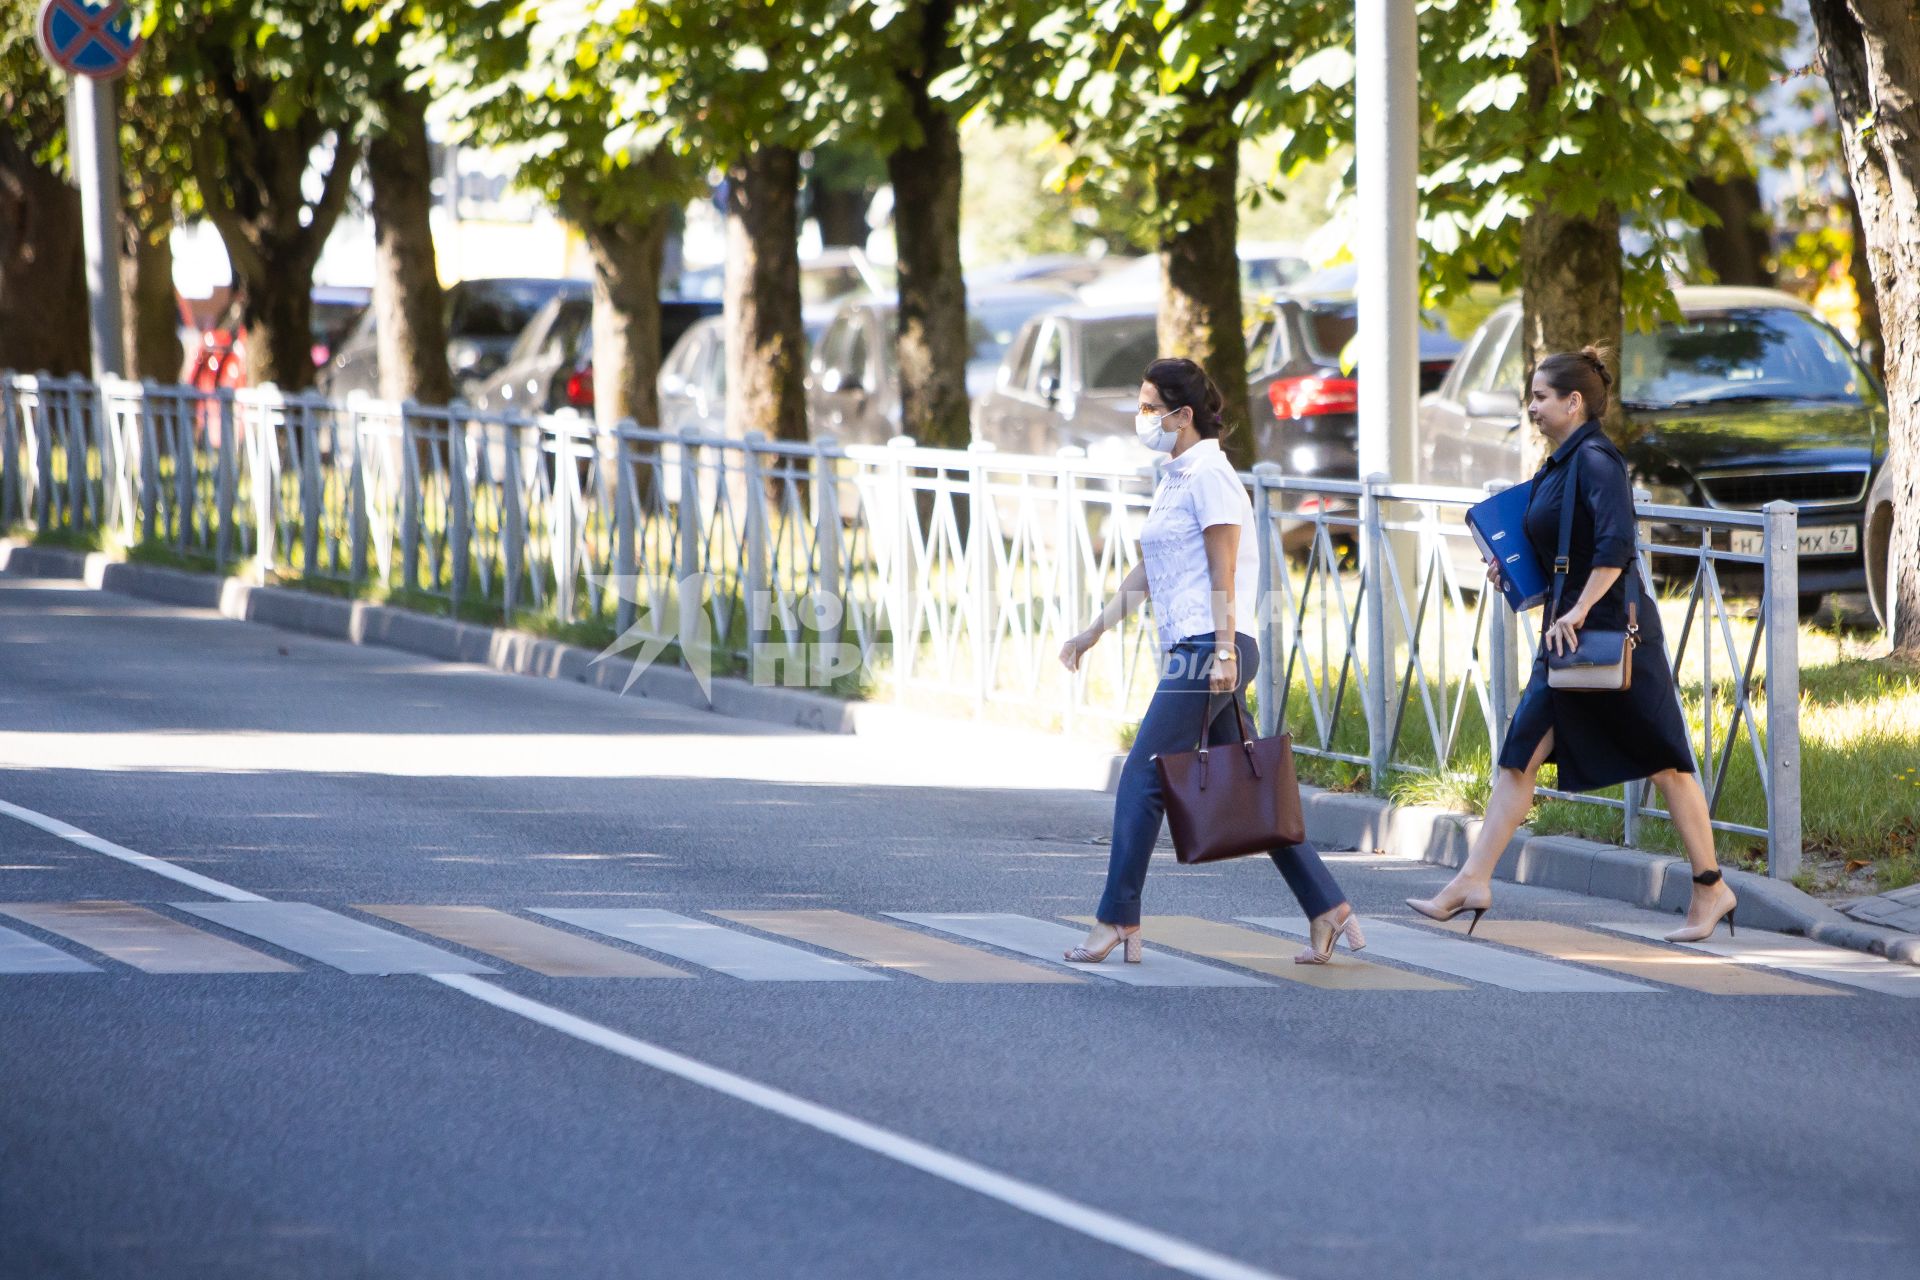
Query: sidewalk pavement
[[1334, 820], [1895, 909]]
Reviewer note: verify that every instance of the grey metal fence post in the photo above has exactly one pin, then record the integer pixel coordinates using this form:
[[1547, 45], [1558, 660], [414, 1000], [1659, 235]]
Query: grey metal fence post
[[410, 501], [358, 514], [1783, 689], [906, 518], [226, 482], [685, 586], [185, 447], [1375, 581], [512, 515], [827, 537], [982, 621], [1067, 553], [1264, 474], [754, 588], [10, 478], [149, 464], [460, 495], [626, 521], [44, 502], [312, 481]]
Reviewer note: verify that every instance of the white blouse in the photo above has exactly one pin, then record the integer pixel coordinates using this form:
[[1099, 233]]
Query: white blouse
[[1197, 490]]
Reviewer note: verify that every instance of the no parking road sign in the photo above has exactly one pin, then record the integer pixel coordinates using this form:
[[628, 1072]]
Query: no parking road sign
[[93, 38]]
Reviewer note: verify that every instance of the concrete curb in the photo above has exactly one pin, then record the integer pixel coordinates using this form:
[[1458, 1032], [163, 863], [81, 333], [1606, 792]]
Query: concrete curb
[[1339, 820], [357, 622]]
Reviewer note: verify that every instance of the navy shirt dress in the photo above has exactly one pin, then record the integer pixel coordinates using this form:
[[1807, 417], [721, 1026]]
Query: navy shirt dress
[[1599, 739]]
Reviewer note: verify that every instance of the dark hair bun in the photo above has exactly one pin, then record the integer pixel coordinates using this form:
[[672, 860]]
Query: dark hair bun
[[1598, 354]]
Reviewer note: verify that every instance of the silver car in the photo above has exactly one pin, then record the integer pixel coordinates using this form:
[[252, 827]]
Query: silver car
[[1071, 378]]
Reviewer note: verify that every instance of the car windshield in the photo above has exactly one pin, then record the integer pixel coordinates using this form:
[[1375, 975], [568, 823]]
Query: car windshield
[[1758, 353], [1118, 352], [498, 308], [1329, 328], [991, 326]]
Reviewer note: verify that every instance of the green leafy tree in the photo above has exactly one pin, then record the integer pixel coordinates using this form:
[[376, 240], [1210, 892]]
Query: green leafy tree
[[1871, 50], [575, 94], [43, 291], [269, 92], [1168, 89], [1549, 125]]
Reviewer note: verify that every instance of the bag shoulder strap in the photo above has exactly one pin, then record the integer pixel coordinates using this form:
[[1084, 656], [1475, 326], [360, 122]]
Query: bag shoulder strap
[[1569, 498]]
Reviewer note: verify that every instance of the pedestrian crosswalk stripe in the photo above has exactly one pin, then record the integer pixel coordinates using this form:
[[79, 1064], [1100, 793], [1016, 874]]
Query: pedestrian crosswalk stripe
[[21, 954], [352, 946], [1802, 956], [1047, 941], [1264, 953], [145, 939], [892, 947], [1460, 958], [1656, 964], [541, 948], [708, 945]]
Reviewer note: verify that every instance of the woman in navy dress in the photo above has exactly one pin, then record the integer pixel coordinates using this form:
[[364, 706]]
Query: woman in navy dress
[[1597, 739]]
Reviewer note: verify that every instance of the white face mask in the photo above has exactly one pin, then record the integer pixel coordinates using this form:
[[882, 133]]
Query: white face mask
[[1147, 427]]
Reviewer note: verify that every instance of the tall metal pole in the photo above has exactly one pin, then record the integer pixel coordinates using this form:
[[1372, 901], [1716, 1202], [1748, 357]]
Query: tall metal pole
[[93, 131], [1386, 144]]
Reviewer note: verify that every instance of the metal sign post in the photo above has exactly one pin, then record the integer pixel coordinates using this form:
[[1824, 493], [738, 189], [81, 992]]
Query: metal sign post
[[94, 41]]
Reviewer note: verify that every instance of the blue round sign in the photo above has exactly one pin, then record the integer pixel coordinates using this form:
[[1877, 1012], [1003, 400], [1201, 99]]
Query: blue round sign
[[96, 38]]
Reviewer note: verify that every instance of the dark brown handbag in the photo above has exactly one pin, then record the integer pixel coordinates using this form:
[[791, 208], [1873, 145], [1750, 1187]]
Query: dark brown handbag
[[1230, 801]]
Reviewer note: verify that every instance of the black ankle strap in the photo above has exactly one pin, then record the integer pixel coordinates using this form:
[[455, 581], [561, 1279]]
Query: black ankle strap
[[1708, 877]]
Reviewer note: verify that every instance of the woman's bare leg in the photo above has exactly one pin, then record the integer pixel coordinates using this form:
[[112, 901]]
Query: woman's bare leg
[[1688, 804], [1506, 809]]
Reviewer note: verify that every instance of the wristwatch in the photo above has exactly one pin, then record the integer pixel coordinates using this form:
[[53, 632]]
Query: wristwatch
[[1221, 655]]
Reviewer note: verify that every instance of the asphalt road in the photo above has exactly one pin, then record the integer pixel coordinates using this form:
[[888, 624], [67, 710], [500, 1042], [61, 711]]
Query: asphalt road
[[317, 1123]]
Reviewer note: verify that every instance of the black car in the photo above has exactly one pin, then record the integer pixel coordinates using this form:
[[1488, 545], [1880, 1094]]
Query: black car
[[1305, 408], [484, 318], [1749, 398]]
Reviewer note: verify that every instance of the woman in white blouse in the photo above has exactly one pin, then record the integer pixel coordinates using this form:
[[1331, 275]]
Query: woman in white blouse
[[1199, 564]]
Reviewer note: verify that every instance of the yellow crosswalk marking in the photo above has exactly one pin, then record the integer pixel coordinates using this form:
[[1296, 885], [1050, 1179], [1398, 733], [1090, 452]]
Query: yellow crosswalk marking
[[1272, 955], [541, 948], [147, 940], [1691, 970], [892, 947]]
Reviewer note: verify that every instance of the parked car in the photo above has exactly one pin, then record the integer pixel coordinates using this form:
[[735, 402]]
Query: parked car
[[1057, 270], [484, 320], [1071, 377], [219, 358], [1876, 548], [1304, 407], [693, 377], [854, 376], [824, 277], [550, 366], [1265, 269], [1748, 399]]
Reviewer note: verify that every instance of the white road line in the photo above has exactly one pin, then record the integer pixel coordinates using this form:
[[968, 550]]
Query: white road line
[[1168, 1251], [146, 862], [710, 946], [1797, 955], [21, 954], [1045, 940]]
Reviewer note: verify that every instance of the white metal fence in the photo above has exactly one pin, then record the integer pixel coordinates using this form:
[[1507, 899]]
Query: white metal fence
[[956, 574]]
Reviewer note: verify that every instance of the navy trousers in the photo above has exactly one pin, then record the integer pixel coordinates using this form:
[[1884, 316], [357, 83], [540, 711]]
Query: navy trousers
[[1172, 723]]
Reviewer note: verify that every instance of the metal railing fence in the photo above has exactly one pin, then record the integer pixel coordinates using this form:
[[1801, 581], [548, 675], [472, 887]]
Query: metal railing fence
[[956, 574]]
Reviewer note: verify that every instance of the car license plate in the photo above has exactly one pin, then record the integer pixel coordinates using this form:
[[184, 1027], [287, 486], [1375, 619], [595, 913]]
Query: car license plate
[[1820, 540]]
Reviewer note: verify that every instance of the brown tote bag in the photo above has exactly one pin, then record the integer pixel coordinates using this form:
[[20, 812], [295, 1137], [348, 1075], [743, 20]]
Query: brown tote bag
[[1232, 800]]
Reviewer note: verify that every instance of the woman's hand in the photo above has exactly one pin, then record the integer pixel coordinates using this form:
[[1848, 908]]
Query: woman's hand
[[1563, 636], [1224, 675], [1493, 576], [1070, 651]]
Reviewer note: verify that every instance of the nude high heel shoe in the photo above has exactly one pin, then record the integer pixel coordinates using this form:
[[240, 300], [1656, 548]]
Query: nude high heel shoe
[[1349, 928], [1701, 932], [1478, 903], [1130, 955]]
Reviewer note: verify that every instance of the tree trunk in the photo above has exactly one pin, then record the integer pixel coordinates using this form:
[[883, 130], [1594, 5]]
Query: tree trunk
[[627, 258], [926, 227], [1869, 337], [43, 285], [410, 312], [766, 347], [1571, 268], [1200, 314], [150, 306], [1737, 249], [1872, 53]]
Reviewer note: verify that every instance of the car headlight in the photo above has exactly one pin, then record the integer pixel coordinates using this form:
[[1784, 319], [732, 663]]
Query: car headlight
[[1304, 460], [1667, 495]]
